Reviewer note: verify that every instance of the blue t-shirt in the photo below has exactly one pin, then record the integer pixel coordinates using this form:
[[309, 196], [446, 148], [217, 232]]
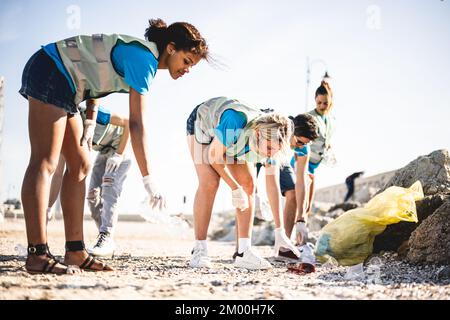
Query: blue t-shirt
[[230, 127], [302, 152], [132, 61], [103, 116], [299, 152]]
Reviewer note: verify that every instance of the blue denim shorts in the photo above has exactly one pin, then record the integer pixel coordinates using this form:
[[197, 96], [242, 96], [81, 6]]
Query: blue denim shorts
[[42, 80], [190, 123], [287, 177]]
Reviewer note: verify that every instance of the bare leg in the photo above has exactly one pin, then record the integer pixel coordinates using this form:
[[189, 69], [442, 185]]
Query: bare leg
[[245, 176], [55, 186], [46, 125], [208, 183], [73, 189]]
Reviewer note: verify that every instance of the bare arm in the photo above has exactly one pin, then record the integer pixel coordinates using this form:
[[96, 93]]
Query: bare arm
[[216, 156], [123, 122], [138, 131], [300, 185], [92, 109], [273, 193]]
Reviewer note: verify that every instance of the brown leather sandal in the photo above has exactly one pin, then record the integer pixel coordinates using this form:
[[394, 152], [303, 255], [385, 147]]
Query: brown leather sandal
[[50, 264], [89, 261]]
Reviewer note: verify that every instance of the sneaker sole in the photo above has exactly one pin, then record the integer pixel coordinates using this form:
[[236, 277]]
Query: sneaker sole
[[200, 267], [251, 267]]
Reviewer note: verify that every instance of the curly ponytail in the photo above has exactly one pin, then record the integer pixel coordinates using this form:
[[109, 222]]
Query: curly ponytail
[[184, 36], [324, 89], [156, 31]]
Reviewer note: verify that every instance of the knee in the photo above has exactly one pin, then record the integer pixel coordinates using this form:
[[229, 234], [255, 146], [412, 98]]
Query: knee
[[85, 167], [290, 197], [80, 170], [248, 185], [210, 185], [44, 166]]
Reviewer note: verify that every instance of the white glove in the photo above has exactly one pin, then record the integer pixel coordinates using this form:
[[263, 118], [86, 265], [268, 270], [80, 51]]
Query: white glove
[[282, 241], [88, 133], [113, 163], [156, 199], [302, 233], [239, 198]]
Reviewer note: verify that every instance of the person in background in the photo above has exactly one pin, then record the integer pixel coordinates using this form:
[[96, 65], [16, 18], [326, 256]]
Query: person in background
[[294, 183], [320, 149], [350, 183], [110, 139]]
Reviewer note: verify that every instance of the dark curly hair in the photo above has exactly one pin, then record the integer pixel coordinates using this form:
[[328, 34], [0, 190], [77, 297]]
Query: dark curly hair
[[306, 126], [184, 35]]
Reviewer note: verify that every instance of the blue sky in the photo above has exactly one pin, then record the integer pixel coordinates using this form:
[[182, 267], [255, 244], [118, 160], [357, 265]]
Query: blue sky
[[389, 61]]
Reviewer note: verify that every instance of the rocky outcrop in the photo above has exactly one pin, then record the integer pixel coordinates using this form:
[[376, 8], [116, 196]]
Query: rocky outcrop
[[432, 170], [424, 242], [397, 235], [430, 242]]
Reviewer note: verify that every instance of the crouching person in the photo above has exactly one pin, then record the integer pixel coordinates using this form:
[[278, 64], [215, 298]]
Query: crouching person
[[226, 138]]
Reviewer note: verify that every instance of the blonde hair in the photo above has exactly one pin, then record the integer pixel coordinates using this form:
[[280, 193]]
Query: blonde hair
[[273, 127]]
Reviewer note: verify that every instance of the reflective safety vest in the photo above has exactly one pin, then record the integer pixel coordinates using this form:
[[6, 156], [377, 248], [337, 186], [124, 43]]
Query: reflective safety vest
[[320, 146], [106, 137], [208, 118], [88, 62]]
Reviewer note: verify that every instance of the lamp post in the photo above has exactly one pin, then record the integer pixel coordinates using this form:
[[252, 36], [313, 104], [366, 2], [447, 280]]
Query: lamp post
[[309, 65], [2, 86]]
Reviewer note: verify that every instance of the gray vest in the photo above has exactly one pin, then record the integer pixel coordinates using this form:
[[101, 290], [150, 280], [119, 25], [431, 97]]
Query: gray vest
[[106, 137], [88, 61], [208, 118], [322, 143]]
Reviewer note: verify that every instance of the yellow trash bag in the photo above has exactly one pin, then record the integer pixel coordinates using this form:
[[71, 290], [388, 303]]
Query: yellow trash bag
[[349, 238]]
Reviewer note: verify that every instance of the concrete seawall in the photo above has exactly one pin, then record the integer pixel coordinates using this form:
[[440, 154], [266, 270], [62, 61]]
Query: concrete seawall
[[365, 188]]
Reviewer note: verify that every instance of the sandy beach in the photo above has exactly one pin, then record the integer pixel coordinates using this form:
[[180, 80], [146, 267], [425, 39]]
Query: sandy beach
[[151, 262]]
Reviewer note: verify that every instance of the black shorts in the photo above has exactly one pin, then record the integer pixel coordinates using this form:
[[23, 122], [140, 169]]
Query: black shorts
[[190, 123], [287, 177], [42, 80]]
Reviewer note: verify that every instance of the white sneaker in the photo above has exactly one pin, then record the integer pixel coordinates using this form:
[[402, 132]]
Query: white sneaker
[[307, 254], [200, 258], [104, 247], [250, 259]]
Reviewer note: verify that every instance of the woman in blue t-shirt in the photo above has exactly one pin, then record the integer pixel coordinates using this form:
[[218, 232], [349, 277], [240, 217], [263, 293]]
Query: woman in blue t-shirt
[[226, 139], [83, 68]]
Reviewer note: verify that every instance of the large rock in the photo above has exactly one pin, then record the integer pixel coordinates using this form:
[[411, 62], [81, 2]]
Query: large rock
[[432, 170], [397, 234], [430, 242]]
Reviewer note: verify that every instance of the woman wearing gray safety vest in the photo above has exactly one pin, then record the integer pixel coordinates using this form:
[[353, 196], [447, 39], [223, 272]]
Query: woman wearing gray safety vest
[[321, 147], [111, 166], [227, 138], [56, 79]]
